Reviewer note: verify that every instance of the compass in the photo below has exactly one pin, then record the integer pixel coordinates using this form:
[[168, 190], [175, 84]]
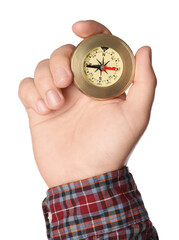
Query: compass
[[103, 66]]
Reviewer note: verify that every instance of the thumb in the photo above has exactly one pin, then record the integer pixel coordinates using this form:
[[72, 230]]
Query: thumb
[[141, 95]]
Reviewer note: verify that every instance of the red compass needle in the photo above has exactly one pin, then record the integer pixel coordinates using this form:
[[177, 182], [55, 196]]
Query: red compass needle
[[109, 68]]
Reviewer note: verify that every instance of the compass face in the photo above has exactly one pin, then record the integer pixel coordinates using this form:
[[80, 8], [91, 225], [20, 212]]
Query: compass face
[[102, 66]]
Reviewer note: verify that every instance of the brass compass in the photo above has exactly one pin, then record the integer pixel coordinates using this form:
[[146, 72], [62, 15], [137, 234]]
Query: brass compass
[[103, 66]]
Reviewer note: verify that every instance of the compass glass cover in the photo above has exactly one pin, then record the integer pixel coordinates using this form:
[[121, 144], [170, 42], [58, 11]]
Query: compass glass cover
[[102, 66]]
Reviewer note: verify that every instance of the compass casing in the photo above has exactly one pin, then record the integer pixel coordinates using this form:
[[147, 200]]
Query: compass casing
[[126, 78]]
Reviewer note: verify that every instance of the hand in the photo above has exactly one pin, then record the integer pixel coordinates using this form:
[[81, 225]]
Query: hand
[[74, 136]]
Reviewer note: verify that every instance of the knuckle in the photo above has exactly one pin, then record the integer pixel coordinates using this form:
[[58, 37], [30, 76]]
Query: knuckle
[[54, 59], [153, 78], [66, 49], [23, 86], [155, 81], [40, 67]]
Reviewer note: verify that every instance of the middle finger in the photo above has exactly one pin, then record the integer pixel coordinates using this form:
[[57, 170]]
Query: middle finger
[[43, 81]]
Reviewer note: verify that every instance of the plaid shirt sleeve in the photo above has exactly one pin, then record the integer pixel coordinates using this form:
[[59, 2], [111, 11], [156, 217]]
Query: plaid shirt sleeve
[[108, 206]]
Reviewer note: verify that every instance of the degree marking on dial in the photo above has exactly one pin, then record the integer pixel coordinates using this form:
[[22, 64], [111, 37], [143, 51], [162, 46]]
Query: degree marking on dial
[[103, 69]]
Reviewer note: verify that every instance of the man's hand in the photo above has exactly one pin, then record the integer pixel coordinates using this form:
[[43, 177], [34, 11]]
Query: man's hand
[[74, 136]]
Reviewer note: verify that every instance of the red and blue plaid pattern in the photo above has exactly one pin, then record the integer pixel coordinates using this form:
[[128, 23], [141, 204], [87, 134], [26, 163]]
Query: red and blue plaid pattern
[[108, 206]]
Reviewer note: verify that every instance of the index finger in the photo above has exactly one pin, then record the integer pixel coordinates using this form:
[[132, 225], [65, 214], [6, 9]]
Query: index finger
[[85, 29]]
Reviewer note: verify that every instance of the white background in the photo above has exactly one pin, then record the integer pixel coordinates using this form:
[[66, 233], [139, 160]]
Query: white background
[[30, 31]]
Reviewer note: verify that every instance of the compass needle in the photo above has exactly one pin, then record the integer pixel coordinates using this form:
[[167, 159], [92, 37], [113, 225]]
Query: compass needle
[[117, 61]]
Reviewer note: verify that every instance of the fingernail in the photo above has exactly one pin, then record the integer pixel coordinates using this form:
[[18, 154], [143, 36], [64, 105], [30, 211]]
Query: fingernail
[[53, 98], [61, 75], [41, 107]]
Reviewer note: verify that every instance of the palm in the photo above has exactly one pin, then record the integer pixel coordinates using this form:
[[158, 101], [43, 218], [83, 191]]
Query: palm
[[85, 134]]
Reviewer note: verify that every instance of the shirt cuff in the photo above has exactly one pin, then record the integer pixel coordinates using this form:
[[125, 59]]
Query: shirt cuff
[[93, 206]]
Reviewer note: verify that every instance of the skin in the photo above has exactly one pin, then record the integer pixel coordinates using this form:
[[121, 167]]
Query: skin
[[74, 136]]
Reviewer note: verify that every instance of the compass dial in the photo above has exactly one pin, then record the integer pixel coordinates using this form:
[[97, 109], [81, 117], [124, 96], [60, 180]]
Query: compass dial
[[102, 66]]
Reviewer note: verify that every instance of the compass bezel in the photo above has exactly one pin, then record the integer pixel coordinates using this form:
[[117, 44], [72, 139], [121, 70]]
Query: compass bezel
[[125, 80]]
